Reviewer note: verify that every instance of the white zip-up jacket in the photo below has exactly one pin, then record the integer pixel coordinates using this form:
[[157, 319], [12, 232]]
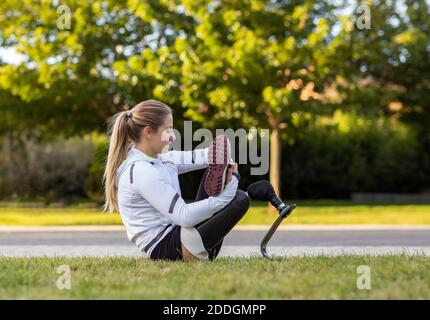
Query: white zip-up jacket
[[149, 195]]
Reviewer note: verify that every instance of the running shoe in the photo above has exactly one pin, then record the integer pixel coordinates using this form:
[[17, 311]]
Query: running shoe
[[219, 156]]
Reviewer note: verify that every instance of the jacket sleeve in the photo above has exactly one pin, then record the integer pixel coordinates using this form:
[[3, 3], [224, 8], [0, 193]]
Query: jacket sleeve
[[163, 197], [187, 161]]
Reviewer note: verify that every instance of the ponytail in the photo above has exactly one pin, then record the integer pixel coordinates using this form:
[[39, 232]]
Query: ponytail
[[118, 147]]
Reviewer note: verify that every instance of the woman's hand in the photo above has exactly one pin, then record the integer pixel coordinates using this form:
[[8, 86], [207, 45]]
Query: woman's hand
[[232, 167]]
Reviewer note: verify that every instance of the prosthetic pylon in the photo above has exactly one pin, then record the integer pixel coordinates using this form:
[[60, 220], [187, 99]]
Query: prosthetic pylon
[[263, 190]]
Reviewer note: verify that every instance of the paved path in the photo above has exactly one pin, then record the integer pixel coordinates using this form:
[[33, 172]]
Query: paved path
[[289, 240]]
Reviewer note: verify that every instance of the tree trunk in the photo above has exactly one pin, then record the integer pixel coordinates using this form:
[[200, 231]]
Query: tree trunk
[[275, 161]]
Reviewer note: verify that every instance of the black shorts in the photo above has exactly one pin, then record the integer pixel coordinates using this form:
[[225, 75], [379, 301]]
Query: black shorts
[[169, 248]]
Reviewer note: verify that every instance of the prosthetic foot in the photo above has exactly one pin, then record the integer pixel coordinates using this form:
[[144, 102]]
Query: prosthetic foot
[[263, 191]]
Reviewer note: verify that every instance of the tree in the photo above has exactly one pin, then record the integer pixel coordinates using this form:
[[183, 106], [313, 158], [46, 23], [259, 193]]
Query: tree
[[259, 63], [394, 58], [268, 64], [73, 79]]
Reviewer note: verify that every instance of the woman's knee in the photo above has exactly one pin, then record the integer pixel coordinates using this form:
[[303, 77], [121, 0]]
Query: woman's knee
[[242, 200]]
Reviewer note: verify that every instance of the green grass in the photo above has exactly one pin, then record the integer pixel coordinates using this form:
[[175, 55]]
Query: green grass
[[392, 277], [308, 212], [343, 212], [56, 217]]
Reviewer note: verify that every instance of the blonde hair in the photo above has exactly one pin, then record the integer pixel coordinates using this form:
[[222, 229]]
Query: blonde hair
[[124, 129]]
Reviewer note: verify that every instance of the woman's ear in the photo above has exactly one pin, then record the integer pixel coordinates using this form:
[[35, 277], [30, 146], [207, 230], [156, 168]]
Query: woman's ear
[[147, 132]]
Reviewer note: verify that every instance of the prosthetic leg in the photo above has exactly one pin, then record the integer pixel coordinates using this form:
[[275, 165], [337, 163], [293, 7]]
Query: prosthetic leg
[[205, 239], [263, 190]]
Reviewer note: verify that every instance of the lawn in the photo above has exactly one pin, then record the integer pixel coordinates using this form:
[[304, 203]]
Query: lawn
[[392, 277], [308, 212]]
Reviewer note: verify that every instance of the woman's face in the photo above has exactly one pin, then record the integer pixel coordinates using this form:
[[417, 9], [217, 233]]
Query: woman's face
[[164, 136]]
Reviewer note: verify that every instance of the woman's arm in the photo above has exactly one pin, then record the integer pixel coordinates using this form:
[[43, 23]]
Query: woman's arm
[[161, 195], [187, 161]]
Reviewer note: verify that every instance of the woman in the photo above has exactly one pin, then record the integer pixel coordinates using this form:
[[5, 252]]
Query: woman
[[141, 182]]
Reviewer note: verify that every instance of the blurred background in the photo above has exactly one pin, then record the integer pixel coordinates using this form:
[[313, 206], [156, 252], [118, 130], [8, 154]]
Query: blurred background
[[343, 86]]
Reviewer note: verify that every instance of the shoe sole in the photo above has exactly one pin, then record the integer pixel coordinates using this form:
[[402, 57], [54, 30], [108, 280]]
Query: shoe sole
[[219, 155]]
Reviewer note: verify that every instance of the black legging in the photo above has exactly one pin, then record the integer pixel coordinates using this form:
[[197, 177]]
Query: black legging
[[213, 230]]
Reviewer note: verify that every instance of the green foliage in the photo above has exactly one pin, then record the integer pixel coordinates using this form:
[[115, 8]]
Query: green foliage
[[239, 63], [394, 56], [224, 63], [48, 171], [353, 154], [232, 64], [94, 180], [68, 81]]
